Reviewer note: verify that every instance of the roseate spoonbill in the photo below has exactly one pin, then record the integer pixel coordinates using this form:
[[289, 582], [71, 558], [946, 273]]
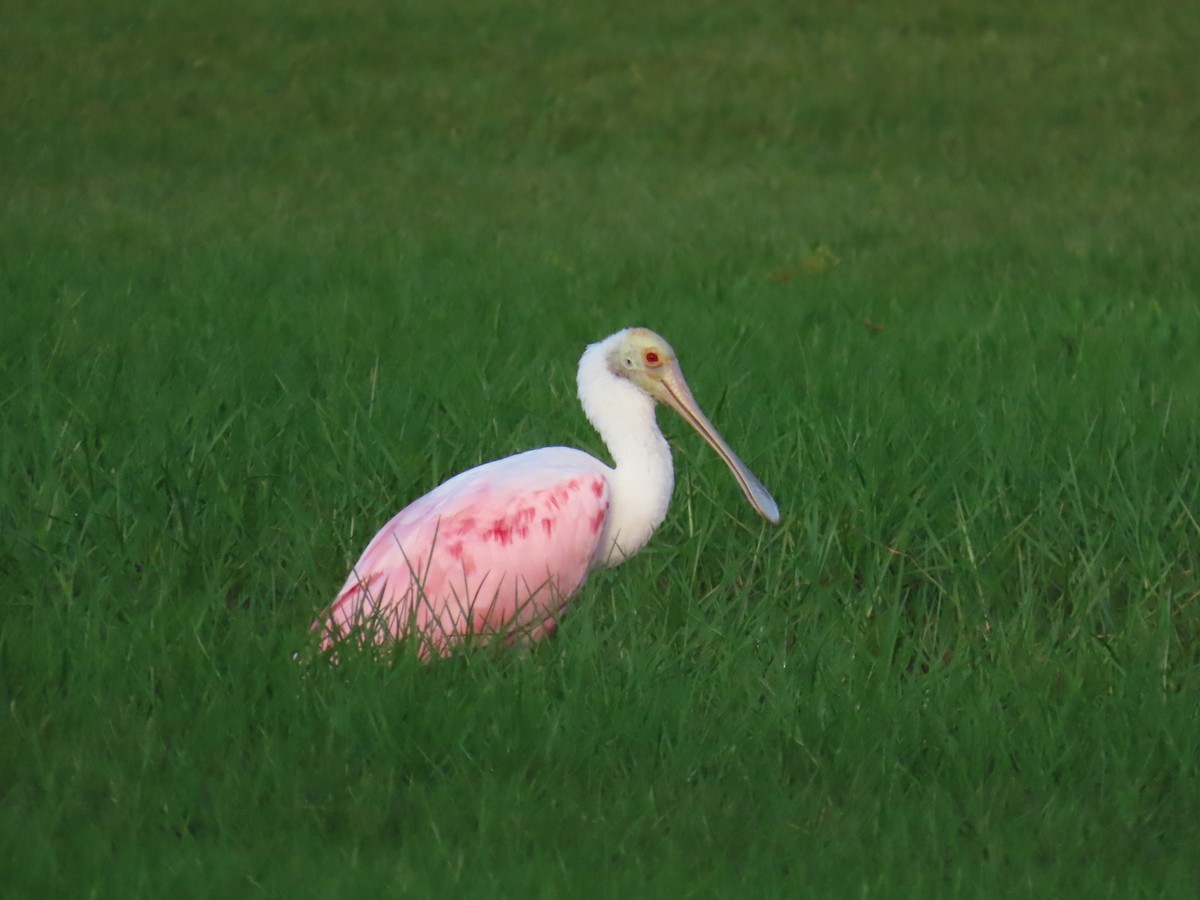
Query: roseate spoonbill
[[498, 550]]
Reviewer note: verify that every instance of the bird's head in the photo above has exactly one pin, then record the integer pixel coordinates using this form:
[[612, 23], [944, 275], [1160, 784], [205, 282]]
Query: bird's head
[[646, 359]]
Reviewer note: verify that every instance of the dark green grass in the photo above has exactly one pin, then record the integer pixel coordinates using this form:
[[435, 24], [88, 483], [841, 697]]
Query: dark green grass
[[267, 274]]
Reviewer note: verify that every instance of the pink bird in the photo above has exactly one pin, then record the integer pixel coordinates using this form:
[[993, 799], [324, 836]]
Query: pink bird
[[498, 550]]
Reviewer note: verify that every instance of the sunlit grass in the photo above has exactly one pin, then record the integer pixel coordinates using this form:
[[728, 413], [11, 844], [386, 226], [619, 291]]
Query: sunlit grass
[[268, 275]]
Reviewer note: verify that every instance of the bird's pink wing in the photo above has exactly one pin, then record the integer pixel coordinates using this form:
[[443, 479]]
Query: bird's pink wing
[[495, 550]]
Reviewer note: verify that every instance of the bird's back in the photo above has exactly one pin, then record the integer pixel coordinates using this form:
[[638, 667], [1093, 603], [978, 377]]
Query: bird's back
[[497, 549]]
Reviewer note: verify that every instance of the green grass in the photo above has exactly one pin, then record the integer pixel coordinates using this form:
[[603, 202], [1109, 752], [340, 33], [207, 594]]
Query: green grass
[[269, 273]]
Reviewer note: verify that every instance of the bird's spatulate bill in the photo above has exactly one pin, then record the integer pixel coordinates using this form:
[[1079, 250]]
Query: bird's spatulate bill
[[677, 395]]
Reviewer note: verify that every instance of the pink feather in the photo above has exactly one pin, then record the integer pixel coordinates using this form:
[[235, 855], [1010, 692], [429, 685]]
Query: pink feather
[[494, 551]]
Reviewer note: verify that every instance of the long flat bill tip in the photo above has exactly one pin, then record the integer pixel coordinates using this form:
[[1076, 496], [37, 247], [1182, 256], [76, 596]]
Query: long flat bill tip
[[764, 504], [770, 511]]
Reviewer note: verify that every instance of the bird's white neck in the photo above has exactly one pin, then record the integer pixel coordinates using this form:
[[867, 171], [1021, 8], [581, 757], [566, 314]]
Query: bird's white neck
[[642, 479]]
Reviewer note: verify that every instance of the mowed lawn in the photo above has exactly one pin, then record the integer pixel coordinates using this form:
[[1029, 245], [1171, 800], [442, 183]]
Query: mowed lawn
[[270, 271]]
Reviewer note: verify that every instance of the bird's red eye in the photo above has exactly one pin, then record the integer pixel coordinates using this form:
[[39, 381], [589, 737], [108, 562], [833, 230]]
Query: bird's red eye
[[651, 358]]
